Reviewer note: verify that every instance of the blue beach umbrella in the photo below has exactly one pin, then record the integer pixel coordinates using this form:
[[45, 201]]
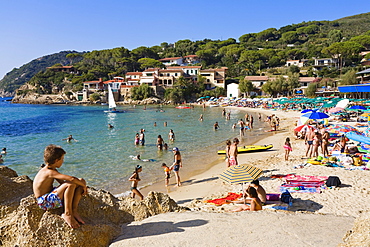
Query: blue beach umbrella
[[357, 107], [308, 110], [359, 138], [315, 115]]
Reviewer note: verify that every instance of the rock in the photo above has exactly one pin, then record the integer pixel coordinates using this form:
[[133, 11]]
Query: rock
[[23, 223], [359, 234]]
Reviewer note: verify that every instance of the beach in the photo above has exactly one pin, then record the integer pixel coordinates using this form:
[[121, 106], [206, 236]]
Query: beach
[[314, 219]]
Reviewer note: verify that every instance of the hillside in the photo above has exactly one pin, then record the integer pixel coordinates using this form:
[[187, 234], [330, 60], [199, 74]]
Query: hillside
[[252, 54], [19, 76]]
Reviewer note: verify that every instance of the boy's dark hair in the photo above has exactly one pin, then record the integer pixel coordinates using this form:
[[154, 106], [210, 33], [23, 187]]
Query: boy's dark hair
[[235, 140], [52, 153], [164, 164], [256, 182]]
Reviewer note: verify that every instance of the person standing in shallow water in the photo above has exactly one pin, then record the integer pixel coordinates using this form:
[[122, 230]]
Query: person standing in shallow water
[[177, 163]]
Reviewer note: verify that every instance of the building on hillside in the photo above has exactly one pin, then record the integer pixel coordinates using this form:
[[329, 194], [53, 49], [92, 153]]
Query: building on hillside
[[181, 61], [232, 90], [299, 63], [364, 61], [171, 61], [214, 77], [190, 59], [167, 77], [94, 86], [150, 77], [302, 89], [320, 63], [132, 78], [257, 82], [65, 69]]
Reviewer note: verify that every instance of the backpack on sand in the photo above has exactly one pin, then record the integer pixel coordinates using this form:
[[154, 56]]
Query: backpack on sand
[[333, 181], [286, 197]]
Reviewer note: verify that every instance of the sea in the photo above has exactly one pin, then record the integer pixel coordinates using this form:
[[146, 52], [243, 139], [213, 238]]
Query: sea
[[103, 156]]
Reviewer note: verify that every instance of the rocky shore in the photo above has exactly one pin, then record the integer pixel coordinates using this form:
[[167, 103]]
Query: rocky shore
[[23, 223]]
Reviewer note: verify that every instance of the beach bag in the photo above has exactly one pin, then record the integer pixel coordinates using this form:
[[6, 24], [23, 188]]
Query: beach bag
[[286, 197], [333, 181], [272, 197]]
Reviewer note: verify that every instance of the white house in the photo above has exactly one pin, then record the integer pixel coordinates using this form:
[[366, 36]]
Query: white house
[[233, 90]]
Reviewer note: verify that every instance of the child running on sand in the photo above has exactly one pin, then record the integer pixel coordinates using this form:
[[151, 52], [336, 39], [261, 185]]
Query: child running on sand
[[135, 181], [288, 148], [68, 193]]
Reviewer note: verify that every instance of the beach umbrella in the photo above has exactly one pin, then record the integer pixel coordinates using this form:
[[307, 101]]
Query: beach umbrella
[[335, 109], [342, 129], [308, 110], [358, 138], [241, 174], [343, 103], [315, 115], [357, 107], [304, 126]]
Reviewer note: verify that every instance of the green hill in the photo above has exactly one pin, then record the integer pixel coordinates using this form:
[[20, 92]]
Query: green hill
[[19, 76]]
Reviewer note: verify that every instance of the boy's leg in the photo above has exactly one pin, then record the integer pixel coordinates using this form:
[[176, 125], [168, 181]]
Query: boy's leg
[[76, 199], [66, 191]]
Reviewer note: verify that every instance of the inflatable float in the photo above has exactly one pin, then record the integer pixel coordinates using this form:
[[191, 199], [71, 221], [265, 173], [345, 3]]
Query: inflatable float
[[250, 148]]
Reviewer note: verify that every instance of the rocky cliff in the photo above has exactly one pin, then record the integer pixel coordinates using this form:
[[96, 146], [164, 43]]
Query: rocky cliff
[[24, 224]]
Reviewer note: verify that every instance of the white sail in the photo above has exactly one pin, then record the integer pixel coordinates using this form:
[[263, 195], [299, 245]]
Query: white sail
[[112, 103]]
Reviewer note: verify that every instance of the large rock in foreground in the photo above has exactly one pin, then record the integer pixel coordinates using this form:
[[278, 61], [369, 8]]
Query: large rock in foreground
[[359, 235], [23, 223]]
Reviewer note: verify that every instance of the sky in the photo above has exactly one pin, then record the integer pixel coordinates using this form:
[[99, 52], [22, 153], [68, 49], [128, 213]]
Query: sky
[[30, 29]]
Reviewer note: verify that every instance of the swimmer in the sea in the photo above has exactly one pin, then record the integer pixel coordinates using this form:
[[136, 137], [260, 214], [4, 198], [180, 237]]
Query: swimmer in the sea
[[69, 139]]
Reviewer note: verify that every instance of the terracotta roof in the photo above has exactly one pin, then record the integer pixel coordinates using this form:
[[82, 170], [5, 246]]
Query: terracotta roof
[[306, 79], [170, 70], [184, 67], [151, 69], [256, 78], [134, 73], [191, 56], [169, 58], [60, 67]]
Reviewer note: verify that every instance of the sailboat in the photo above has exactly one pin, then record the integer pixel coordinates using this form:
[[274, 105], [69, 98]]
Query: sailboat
[[111, 102]]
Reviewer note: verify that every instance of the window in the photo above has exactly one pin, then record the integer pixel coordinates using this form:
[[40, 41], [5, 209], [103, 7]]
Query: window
[[175, 74]]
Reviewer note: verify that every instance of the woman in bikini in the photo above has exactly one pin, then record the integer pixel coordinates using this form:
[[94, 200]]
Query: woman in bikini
[[176, 165], [316, 143], [255, 202], [135, 180]]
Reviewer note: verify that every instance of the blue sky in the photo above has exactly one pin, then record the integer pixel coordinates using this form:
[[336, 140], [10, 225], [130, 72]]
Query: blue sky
[[33, 28]]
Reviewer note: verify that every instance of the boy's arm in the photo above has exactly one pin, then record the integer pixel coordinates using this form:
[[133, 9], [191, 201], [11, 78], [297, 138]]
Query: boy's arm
[[62, 177]]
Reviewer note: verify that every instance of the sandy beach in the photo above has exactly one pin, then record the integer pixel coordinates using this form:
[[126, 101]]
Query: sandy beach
[[314, 219]]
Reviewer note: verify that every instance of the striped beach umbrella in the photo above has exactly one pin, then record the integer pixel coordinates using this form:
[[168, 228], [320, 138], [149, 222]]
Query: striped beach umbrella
[[241, 174]]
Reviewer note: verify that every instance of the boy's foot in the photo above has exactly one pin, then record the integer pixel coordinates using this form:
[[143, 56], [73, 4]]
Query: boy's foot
[[70, 220], [78, 218]]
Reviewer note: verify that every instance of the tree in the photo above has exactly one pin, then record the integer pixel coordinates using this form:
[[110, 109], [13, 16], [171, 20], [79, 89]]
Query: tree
[[246, 86], [363, 40], [94, 97], [335, 36], [349, 78], [141, 92], [345, 51], [290, 37], [311, 89], [150, 63]]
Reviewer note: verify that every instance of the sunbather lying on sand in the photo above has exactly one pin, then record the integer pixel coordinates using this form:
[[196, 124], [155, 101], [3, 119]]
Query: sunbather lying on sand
[[255, 202]]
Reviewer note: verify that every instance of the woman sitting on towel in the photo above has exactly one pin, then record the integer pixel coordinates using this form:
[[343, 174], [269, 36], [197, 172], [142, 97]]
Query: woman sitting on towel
[[255, 202]]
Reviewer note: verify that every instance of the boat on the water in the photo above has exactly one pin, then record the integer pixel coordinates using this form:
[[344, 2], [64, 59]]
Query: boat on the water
[[111, 102], [250, 148], [183, 107]]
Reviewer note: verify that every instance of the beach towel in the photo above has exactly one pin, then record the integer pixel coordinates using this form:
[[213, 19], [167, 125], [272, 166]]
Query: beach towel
[[300, 189], [220, 201]]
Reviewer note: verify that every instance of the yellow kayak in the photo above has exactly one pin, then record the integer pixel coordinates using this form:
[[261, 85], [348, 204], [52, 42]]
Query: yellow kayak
[[250, 148]]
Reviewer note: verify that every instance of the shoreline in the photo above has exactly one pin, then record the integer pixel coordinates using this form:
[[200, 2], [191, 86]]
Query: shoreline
[[197, 186], [187, 176]]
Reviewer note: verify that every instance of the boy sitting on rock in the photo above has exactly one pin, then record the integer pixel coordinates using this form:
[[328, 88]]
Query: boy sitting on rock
[[68, 193]]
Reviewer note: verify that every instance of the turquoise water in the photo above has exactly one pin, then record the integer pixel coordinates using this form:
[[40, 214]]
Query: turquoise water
[[101, 155]]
